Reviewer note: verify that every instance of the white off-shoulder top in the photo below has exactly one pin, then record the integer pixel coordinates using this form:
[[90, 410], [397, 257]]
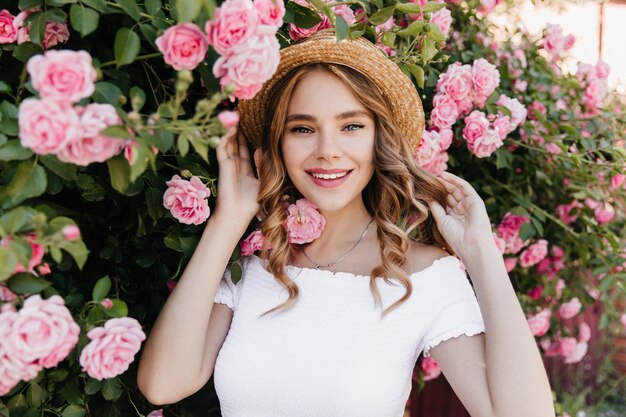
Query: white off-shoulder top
[[331, 355]]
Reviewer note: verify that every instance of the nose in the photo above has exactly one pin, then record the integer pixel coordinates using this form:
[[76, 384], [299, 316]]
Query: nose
[[328, 146]]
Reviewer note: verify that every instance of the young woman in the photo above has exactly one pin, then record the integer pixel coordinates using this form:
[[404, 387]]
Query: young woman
[[333, 327]]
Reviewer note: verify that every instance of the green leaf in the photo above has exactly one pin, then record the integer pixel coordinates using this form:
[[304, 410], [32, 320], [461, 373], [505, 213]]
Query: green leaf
[[111, 389], [382, 15], [5, 88], [126, 46], [27, 283], [301, 16], [235, 272], [92, 386], [154, 200], [389, 39], [429, 49], [153, 6], [73, 410], [83, 19], [413, 29], [418, 73], [101, 289], [58, 374], [20, 219], [63, 170], [59, 2], [79, 252], [431, 7], [436, 33], [131, 8], [91, 190], [107, 93], [34, 394], [117, 131], [201, 147], [8, 262], [527, 231], [341, 28], [118, 309], [137, 98], [37, 27], [24, 51], [13, 151], [187, 10], [99, 5], [28, 181], [183, 144], [28, 4], [149, 32], [119, 171], [56, 14]]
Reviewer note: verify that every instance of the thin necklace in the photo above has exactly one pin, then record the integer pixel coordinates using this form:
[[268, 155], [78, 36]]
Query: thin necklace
[[318, 266]]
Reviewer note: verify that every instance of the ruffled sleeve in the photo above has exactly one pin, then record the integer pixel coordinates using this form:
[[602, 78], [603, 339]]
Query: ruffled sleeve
[[226, 291], [451, 305]]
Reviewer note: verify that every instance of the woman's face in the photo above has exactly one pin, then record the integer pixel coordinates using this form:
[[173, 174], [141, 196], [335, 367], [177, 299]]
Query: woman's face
[[328, 142]]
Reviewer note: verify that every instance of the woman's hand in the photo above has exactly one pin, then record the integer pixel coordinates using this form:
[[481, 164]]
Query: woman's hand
[[464, 222], [238, 188]]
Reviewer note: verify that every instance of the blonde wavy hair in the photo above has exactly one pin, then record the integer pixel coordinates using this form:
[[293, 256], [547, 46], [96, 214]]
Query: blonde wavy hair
[[395, 196]]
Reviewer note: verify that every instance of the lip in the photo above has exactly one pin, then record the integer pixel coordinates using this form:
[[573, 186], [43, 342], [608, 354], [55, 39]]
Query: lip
[[328, 183]]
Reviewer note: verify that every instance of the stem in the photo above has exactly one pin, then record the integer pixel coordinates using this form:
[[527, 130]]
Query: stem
[[20, 88], [138, 58]]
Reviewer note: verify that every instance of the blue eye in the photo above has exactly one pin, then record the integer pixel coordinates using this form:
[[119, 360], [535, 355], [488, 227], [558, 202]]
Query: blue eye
[[301, 129], [356, 126]]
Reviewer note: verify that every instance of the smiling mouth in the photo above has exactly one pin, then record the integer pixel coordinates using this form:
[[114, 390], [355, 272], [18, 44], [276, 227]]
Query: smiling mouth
[[329, 176]]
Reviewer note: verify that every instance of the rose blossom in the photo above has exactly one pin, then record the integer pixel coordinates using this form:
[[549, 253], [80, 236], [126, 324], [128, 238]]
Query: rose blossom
[[6, 294], [233, 23], [534, 253], [604, 213], [71, 232], [564, 211], [297, 33], [107, 303], [456, 82], [485, 146], [252, 243], [304, 223], [567, 346], [270, 12], [65, 75], [430, 153], [487, 6], [43, 333], [56, 33], [159, 412], [445, 112], [250, 65], [509, 228], [576, 355], [510, 264], [443, 20], [536, 292], [12, 370], [430, 368], [47, 125], [476, 126], [502, 125], [570, 309], [112, 348], [584, 332], [486, 78], [92, 146], [186, 200], [517, 109], [228, 118], [540, 322], [184, 46], [8, 34], [617, 180]]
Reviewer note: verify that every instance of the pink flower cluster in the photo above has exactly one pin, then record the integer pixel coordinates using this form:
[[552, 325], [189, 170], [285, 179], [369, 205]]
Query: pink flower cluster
[[252, 243], [39, 336], [534, 254], [509, 229], [430, 368], [243, 33], [554, 41], [431, 153], [342, 11], [14, 29], [52, 125], [594, 80], [112, 348], [304, 222], [570, 348], [186, 200], [183, 46], [487, 6], [551, 265], [37, 252]]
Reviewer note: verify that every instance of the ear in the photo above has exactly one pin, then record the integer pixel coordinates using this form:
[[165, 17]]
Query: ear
[[258, 157]]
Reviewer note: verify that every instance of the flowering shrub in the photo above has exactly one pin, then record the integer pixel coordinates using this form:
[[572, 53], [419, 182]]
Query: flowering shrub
[[108, 115]]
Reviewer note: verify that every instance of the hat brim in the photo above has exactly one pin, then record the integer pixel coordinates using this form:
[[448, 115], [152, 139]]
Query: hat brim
[[358, 54]]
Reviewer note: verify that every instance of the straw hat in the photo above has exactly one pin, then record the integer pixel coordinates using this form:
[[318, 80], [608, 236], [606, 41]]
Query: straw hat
[[359, 54]]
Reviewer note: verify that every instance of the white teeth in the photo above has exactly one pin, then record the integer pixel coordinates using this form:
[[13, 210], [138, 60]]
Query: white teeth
[[329, 176]]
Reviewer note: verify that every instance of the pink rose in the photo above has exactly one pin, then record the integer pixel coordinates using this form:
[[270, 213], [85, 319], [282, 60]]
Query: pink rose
[[623, 320], [184, 46], [443, 20], [62, 75], [604, 213], [12, 370], [602, 69], [509, 228], [617, 180], [252, 243], [71, 232], [540, 322], [107, 303], [249, 65], [567, 346], [159, 412], [234, 22], [517, 109], [297, 33], [228, 118], [570, 309], [430, 368], [91, 146], [502, 125], [576, 355], [560, 285], [6, 294], [456, 82], [18, 25], [56, 33], [430, 155], [270, 12], [553, 148], [584, 332], [43, 333], [44, 269], [534, 253], [487, 6], [486, 78], [36, 255], [8, 33], [47, 125], [476, 126], [186, 200], [564, 211], [445, 112], [304, 223], [112, 348], [536, 292]]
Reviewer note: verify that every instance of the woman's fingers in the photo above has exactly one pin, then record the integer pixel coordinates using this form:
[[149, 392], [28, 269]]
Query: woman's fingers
[[243, 147]]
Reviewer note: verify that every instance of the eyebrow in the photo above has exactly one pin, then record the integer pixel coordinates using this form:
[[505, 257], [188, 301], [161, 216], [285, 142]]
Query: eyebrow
[[340, 116]]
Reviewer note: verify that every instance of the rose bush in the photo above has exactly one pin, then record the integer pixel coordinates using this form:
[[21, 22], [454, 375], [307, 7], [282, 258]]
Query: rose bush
[[109, 113]]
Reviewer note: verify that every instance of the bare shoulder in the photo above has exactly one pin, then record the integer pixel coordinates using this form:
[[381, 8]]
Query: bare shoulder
[[421, 256]]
